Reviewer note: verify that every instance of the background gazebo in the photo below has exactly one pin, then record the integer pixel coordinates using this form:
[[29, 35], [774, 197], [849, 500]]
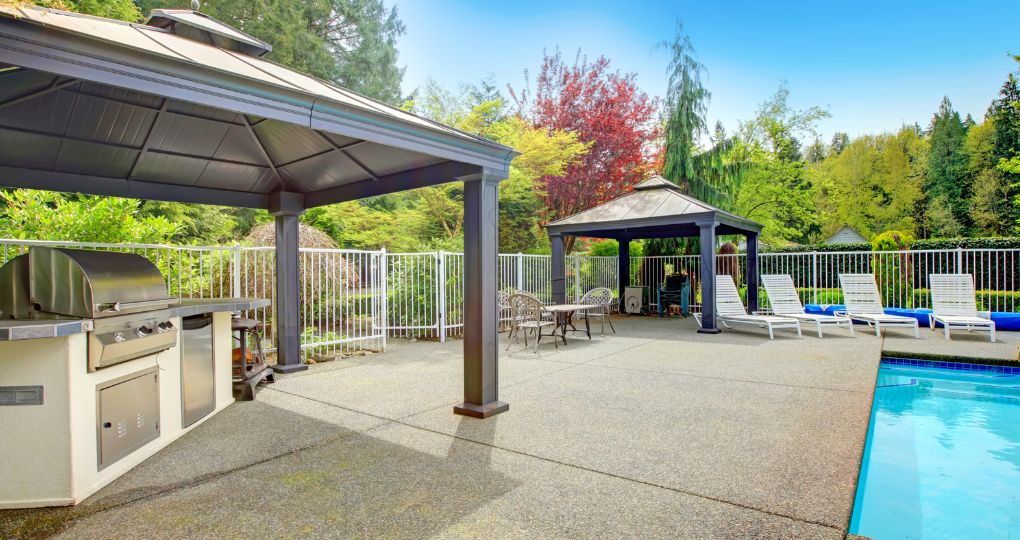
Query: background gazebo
[[657, 209]]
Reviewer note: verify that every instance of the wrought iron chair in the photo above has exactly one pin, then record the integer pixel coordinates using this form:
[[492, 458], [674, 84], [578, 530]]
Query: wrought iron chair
[[527, 315], [602, 298], [505, 316]]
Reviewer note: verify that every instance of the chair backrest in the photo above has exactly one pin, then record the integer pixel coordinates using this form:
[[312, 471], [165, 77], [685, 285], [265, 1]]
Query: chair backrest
[[953, 294], [524, 307], [599, 296], [860, 293], [503, 299], [727, 297], [675, 282], [782, 294]]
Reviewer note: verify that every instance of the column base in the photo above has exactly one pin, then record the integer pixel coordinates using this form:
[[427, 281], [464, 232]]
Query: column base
[[709, 330], [481, 411], [289, 368]]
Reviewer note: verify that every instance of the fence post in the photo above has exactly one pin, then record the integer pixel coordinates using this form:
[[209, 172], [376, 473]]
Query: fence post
[[384, 273], [814, 277], [441, 295], [520, 271], [959, 260], [235, 286], [577, 279]]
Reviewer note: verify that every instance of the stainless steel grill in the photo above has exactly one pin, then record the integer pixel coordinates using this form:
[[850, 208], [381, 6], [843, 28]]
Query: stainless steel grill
[[123, 294]]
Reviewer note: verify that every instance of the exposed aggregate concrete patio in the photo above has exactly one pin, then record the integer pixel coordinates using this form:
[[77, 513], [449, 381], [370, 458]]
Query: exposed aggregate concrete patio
[[656, 431]]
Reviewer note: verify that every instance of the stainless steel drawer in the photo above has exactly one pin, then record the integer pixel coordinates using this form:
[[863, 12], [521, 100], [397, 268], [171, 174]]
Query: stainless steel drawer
[[128, 415]]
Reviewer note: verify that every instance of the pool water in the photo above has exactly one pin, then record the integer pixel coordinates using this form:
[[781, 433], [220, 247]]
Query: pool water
[[942, 458]]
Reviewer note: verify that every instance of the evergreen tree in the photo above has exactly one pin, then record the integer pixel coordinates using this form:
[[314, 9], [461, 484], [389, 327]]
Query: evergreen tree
[[839, 142], [1005, 113], [816, 152], [349, 42], [947, 182]]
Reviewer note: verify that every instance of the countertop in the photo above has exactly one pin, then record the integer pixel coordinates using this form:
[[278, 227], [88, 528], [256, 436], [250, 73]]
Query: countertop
[[47, 328]]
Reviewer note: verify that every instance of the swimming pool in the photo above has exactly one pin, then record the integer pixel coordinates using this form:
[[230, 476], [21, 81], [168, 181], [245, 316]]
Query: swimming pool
[[942, 458]]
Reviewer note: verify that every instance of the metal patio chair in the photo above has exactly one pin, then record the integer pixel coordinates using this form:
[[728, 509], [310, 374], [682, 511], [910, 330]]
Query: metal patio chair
[[602, 298], [527, 315]]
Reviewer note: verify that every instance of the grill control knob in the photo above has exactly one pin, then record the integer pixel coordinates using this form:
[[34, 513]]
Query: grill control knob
[[161, 327], [169, 325], [143, 331], [119, 337]]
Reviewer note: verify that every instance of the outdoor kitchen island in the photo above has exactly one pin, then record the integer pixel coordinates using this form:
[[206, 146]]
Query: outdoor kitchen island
[[68, 429]]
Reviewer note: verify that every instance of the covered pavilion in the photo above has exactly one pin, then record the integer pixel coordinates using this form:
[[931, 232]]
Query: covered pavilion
[[657, 209], [185, 108]]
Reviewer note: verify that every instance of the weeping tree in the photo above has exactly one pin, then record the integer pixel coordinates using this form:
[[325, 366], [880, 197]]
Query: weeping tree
[[706, 174]]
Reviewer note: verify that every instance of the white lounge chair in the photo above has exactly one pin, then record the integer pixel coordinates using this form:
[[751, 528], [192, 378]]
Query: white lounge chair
[[864, 303], [953, 305], [785, 302], [729, 309]]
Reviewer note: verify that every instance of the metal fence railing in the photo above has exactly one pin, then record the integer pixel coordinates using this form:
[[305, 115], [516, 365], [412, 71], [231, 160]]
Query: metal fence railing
[[354, 299]]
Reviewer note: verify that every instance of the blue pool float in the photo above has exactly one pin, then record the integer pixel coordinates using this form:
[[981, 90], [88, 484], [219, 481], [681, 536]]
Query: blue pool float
[[1003, 320]]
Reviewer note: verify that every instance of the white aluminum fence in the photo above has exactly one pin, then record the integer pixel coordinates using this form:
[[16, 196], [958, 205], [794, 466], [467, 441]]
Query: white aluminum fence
[[354, 299]]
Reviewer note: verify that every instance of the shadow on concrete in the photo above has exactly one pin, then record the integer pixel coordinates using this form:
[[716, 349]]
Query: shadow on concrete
[[256, 467]]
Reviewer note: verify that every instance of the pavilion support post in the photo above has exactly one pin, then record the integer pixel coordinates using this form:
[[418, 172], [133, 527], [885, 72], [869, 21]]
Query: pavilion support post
[[481, 339], [752, 272], [708, 325], [559, 269], [286, 209], [623, 267]]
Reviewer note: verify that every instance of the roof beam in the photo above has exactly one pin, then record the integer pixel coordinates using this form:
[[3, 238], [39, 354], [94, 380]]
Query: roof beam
[[265, 155], [343, 150], [133, 148], [431, 175], [19, 177], [317, 154], [148, 137], [54, 86]]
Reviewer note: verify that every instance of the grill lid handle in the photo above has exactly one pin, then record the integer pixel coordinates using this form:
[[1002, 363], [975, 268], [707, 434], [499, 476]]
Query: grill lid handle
[[119, 306]]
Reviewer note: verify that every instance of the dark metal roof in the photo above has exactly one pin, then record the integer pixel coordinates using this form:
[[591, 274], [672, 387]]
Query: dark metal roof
[[100, 106], [201, 27], [655, 209]]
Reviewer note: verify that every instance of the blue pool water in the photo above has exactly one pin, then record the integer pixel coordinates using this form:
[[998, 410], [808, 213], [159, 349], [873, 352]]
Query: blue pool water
[[943, 454]]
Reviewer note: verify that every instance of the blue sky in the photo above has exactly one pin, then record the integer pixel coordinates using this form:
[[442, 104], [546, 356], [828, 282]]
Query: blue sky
[[873, 65]]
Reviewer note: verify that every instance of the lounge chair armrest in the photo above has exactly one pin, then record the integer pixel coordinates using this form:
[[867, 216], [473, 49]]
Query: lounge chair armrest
[[985, 314]]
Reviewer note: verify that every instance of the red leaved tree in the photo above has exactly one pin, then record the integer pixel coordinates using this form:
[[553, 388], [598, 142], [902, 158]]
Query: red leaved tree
[[606, 109]]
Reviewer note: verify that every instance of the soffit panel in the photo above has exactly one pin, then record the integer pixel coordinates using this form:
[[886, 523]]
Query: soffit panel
[[288, 142]]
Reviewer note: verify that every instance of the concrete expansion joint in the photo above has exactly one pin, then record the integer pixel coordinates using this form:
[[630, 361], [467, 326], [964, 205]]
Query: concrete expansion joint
[[628, 479]]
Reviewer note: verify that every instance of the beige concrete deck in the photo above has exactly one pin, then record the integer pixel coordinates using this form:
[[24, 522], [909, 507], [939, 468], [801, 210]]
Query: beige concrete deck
[[656, 431]]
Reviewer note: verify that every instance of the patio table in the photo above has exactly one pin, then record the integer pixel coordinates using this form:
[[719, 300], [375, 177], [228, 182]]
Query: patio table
[[564, 314]]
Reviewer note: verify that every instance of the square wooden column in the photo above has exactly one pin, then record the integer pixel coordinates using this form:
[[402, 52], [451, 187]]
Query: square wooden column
[[623, 267], [481, 333], [708, 325], [559, 270], [752, 272], [287, 208]]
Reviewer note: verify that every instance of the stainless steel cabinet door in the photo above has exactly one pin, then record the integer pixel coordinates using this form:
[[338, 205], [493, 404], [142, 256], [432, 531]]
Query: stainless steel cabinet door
[[198, 383], [128, 415]]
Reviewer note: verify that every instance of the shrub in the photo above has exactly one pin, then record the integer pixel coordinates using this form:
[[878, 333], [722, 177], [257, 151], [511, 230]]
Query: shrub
[[892, 271]]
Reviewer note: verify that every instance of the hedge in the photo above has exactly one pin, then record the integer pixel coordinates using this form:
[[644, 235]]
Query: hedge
[[936, 243]]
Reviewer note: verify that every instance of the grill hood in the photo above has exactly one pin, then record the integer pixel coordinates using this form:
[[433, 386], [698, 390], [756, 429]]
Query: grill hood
[[84, 284]]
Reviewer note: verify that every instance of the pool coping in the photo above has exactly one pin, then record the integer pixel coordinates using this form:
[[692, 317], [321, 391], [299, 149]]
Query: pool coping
[[949, 358]]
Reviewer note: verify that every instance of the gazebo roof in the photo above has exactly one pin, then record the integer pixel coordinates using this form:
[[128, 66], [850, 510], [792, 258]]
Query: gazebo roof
[[185, 109], [655, 209]]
